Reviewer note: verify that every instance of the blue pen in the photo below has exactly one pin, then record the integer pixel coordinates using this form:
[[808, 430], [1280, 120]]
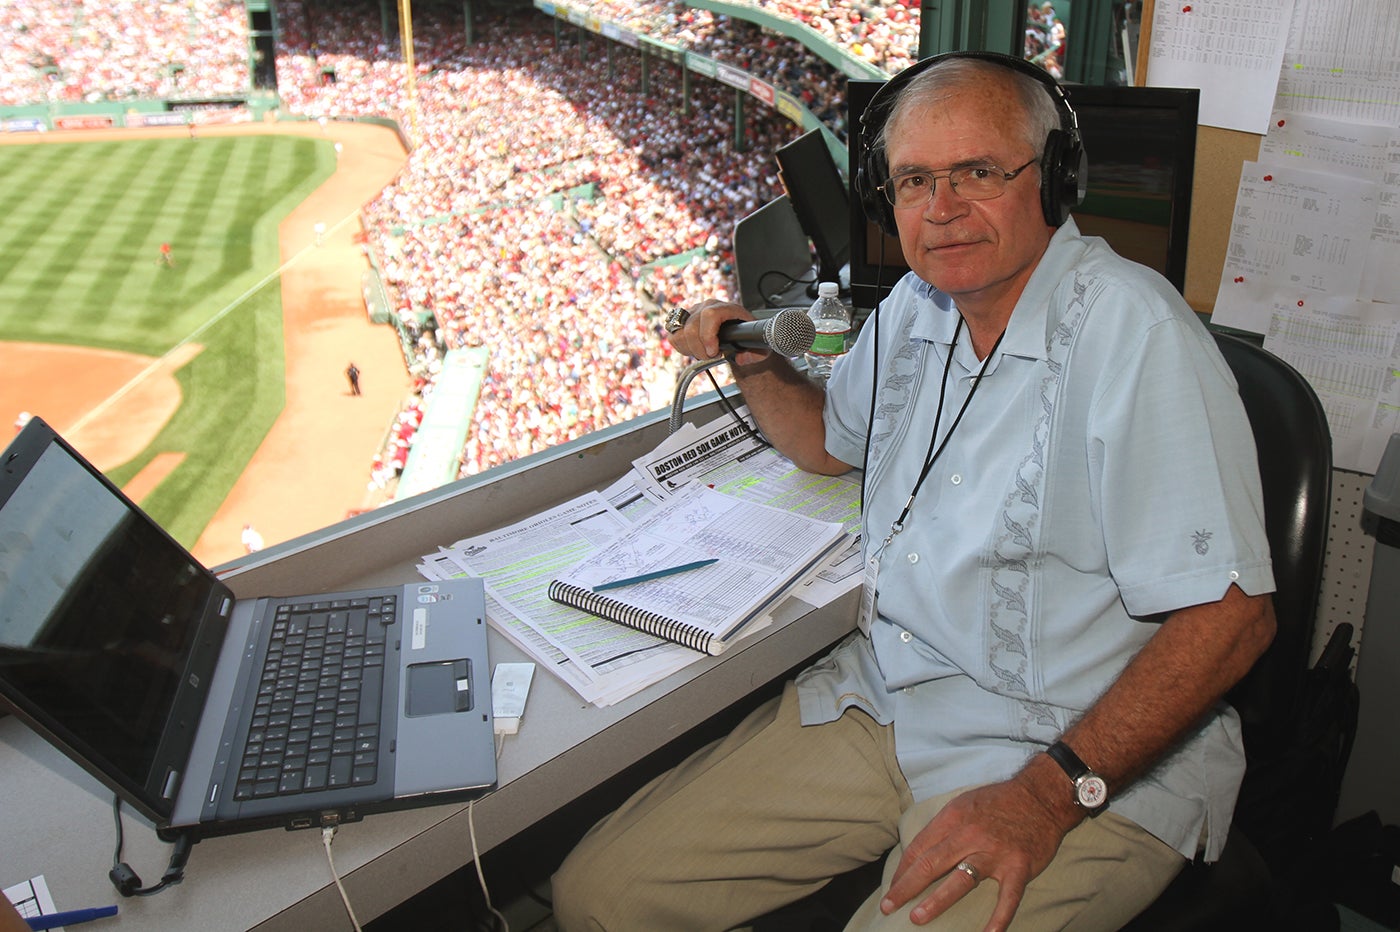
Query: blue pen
[[71, 917], [655, 574]]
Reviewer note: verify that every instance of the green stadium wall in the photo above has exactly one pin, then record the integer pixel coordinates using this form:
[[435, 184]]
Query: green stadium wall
[[435, 456], [116, 114]]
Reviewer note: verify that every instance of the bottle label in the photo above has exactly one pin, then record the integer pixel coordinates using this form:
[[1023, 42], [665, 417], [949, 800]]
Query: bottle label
[[830, 344]]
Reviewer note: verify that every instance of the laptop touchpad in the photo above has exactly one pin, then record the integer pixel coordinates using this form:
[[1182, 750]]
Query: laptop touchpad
[[439, 687]]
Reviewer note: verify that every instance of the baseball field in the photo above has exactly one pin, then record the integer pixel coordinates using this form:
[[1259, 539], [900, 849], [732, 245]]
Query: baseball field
[[166, 305]]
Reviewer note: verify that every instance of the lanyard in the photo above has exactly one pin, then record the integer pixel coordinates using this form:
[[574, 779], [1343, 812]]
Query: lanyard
[[933, 454]]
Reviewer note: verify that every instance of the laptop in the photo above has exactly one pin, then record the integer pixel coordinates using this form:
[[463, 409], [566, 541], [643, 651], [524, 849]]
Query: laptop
[[211, 714]]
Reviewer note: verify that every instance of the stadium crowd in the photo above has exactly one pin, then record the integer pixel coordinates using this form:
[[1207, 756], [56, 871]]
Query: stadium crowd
[[884, 33], [326, 68], [60, 50], [546, 214], [1045, 37]]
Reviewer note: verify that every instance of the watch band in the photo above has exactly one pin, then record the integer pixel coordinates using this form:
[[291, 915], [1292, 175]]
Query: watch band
[[1090, 789]]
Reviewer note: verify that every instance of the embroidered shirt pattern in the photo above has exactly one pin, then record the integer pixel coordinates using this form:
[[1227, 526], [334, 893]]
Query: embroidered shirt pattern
[[1015, 545]]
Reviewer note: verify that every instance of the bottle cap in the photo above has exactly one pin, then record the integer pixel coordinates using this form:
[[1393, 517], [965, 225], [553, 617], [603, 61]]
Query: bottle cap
[[828, 290]]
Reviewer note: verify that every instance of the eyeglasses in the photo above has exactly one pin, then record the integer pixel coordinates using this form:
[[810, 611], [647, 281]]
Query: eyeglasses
[[980, 182]]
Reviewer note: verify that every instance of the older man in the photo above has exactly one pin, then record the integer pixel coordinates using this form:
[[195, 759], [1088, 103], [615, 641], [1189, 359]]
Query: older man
[[1066, 570]]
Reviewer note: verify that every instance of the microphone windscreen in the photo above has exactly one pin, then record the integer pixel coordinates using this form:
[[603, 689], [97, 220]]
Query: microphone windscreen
[[790, 332]]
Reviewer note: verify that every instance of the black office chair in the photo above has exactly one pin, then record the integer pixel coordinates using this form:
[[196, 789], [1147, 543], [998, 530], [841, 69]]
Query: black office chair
[[1295, 466], [1295, 463]]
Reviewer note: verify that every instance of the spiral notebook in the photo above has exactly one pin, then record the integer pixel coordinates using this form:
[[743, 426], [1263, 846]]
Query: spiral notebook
[[758, 553]]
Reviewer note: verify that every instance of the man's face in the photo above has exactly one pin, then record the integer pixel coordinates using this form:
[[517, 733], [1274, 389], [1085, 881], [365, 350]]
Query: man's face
[[980, 252]]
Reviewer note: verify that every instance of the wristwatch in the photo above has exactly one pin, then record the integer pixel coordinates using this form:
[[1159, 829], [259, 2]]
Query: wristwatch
[[1090, 790]]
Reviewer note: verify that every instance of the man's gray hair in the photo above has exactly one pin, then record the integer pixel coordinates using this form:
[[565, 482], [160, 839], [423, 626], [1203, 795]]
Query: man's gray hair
[[934, 84]]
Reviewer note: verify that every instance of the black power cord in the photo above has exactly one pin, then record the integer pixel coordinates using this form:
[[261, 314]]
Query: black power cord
[[729, 407], [125, 879], [790, 280]]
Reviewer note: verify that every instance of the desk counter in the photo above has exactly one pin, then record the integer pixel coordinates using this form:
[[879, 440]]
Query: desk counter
[[56, 820]]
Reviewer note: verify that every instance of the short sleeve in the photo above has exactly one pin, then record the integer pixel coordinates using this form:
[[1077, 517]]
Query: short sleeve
[[1182, 509]]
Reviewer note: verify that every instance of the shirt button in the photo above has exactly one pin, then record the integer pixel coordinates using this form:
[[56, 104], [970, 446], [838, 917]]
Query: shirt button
[[913, 558], [955, 479], [905, 636], [1234, 574]]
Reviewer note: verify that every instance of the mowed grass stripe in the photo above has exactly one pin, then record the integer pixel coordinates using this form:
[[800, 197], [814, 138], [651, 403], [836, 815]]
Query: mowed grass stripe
[[22, 177], [219, 202], [135, 244], [65, 266], [242, 365], [176, 300], [25, 199], [196, 231], [244, 201], [93, 242], [166, 190], [46, 209]]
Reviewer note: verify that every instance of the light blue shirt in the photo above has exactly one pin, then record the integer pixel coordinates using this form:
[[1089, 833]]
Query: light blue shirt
[[1104, 474]]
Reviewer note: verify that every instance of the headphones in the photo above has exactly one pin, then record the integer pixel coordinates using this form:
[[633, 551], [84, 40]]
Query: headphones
[[1063, 166]]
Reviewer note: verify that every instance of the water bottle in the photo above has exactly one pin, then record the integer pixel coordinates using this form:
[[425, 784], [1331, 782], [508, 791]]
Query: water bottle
[[833, 323]]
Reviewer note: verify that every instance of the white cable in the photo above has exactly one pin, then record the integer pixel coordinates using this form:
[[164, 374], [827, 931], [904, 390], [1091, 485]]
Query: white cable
[[328, 833], [476, 859]]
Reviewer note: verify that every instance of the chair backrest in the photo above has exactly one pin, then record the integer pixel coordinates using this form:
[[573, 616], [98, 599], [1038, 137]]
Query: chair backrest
[[1295, 468]]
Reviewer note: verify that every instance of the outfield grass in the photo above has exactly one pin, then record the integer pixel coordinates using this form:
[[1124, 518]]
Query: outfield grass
[[79, 264]]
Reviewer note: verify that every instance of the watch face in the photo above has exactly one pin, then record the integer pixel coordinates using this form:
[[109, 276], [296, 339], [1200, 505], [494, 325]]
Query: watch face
[[1091, 791]]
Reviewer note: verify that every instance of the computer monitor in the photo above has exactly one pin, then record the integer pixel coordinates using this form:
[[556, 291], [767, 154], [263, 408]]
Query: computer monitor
[[1141, 147], [820, 198], [772, 258]]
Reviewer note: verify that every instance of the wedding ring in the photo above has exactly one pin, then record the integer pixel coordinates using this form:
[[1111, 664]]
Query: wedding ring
[[676, 319], [970, 871]]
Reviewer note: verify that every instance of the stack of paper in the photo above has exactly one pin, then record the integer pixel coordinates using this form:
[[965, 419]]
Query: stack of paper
[[602, 661]]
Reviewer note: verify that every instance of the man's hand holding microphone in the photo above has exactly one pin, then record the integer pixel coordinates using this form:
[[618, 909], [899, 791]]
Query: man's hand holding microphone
[[713, 327]]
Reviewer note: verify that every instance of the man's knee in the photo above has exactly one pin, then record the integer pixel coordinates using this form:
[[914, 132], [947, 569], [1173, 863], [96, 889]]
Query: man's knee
[[570, 889], [582, 892]]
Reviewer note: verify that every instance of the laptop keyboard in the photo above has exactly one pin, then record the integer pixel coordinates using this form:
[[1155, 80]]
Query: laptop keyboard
[[315, 721]]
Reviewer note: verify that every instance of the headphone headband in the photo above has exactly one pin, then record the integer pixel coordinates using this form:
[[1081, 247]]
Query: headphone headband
[[1063, 167]]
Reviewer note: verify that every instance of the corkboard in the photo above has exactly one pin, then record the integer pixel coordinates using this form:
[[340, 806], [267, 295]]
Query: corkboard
[[1220, 155]]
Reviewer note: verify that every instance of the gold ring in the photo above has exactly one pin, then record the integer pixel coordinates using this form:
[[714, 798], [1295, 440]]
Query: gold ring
[[676, 319]]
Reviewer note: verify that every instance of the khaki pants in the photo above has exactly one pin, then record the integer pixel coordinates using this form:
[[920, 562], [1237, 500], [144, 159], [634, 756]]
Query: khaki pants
[[770, 813]]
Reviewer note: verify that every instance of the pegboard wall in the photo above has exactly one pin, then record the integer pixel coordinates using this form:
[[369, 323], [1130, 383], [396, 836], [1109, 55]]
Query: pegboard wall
[[1346, 568]]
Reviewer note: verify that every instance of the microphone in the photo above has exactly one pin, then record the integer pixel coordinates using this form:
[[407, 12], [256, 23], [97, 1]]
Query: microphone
[[789, 332]]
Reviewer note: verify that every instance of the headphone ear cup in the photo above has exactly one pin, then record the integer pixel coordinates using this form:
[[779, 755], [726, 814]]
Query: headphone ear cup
[[873, 169], [869, 176], [1061, 176]]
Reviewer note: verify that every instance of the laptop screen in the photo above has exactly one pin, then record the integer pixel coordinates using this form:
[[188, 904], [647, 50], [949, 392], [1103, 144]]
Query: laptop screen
[[98, 609]]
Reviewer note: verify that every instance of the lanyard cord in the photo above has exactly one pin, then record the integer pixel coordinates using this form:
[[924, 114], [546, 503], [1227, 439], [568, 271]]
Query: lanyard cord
[[933, 454]]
